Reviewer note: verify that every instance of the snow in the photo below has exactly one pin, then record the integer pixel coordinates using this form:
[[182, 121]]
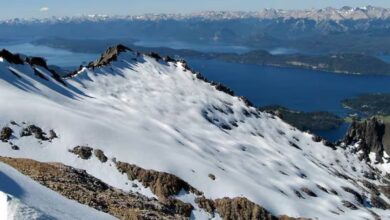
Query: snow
[[332, 14], [198, 213], [381, 166], [157, 115], [23, 199]]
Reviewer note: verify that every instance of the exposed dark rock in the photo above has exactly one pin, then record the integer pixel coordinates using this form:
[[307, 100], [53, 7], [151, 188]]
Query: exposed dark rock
[[385, 190], [206, 204], [34, 130], [379, 203], [246, 101], [334, 192], [212, 176], [111, 54], [163, 185], [329, 144], [316, 138], [15, 147], [14, 123], [155, 56], [6, 134], [52, 135], [349, 205], [372, 187], [322, 188], [11, 58], [240, 209], [369, 175], [181, 208], [299, 195], [100, 155], [371, 136], [222, 88], [359, 198], [38, 61], [82, 151], [294, 145], [168, 59], [78, 185], [308, 192]]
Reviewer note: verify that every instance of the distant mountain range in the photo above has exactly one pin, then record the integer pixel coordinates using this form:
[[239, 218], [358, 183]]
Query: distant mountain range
[[346, 30], [333, 14]]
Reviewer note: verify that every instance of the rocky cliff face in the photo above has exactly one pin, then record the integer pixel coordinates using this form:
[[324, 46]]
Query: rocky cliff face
[[373, 136]]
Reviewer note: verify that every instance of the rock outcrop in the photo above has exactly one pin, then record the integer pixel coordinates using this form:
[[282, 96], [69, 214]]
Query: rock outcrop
[[238, 208], [111, 54], [10, 57], [372, 136], [6, 134], [83, 152], [78, 185], [100, 155], [163, 185]]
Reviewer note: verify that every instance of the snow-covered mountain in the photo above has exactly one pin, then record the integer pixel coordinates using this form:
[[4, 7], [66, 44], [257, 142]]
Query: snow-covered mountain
[[150, 127], [334, 14]]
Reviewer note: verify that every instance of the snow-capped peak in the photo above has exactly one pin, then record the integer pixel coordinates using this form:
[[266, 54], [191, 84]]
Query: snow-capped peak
[[336, 14]]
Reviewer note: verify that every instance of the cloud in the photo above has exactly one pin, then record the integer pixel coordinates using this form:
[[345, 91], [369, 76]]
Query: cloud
[[44, 9]]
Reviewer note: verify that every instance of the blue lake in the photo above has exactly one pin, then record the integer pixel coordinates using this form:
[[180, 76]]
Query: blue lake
[[298, 89], [57, 57], [303, 90], [220, 48]]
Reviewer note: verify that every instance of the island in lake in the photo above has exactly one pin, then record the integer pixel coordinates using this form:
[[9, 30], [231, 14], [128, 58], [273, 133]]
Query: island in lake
[[370, 105], [306, 121], [347, 63]]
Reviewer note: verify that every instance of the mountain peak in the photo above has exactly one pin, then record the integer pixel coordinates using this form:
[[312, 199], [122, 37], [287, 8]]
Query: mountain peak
[[147, 116], [10, 57], [111, 54]]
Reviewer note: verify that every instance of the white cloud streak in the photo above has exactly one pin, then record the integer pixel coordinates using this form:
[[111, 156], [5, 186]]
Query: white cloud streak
[[44, 9]]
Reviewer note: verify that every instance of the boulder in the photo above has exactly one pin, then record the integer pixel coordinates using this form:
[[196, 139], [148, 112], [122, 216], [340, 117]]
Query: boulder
[[82, 151], [6, 134], [100, 155]]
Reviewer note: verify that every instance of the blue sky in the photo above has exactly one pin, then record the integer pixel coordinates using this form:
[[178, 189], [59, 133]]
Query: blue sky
[[47, 8]]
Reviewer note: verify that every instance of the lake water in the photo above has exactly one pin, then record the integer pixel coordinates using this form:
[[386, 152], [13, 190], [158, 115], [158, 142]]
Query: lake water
[[57, 57], [385, 58], [298, 89], [303, 90], [220, 48]]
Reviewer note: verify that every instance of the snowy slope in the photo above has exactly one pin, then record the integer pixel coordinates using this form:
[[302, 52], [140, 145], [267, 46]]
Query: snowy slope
[[160, 116], [23, 199]]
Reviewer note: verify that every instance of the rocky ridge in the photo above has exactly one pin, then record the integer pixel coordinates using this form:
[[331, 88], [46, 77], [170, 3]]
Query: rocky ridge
[[371, 136], [166, 186]]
